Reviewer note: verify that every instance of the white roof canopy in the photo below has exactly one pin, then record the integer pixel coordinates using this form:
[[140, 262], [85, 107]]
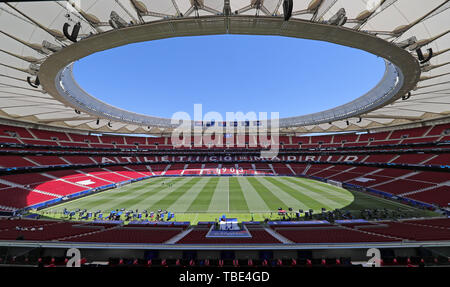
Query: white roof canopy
[[31, 32]]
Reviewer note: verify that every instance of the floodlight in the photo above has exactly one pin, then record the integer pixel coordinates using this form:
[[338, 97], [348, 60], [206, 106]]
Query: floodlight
[[48, 47], [72, 36], [408, 42], [339, 18], [116, 21]]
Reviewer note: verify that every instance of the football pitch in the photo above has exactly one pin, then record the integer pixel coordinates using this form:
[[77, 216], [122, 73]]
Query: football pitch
[[207, 198]]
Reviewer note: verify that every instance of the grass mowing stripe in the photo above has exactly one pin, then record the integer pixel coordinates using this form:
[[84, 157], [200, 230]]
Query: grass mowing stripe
[[118, 192], [285, 197], [327, 185], [134, 199], [302, 201], [203, 199], [331, 193], [173, 196], [317, 194], [336, 191], [270, 200], [299, 193], [167, 187], [96, 200], [219, 201], [214, 196], [237, 199], [122, 193], [254, 200], [183, 202]]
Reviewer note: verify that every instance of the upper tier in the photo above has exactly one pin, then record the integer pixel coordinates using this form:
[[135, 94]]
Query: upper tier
[[20, 135]]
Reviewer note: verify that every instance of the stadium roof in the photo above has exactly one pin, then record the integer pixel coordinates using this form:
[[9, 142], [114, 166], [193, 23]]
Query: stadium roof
[[404, 32]]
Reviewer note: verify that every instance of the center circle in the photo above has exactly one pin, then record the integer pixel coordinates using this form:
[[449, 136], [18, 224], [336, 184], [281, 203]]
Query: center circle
[[229, 73]]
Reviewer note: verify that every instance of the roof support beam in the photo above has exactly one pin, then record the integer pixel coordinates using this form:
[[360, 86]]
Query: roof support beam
[[14, 78], [66, 119], [425, 78], [54, 33], [36, 47], [23, 58], [322, 9], [397, 32], [363, 21], [19, 87], [394, 117]]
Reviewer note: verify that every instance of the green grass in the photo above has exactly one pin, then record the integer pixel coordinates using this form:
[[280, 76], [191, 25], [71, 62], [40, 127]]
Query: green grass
[[204, 197], [236, 200], [207, 198]]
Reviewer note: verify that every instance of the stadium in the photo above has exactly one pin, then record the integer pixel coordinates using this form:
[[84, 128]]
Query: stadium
[[363, 183]]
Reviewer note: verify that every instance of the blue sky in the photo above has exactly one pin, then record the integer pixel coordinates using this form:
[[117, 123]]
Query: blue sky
[[229, 73]]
